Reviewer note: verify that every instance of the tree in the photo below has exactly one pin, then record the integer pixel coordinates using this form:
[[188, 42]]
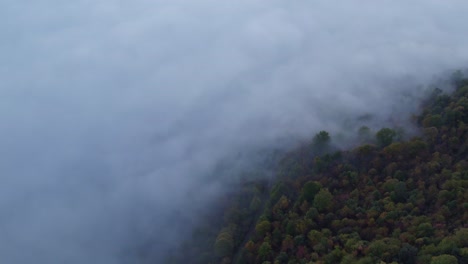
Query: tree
[[250, 246], [425, 230], [310, 189], [400, 193], [407, 254], [263, 227], [321, 142], [314, 237], [461, 237], [323, 200], [385, 136], [432, 121], [444, 259], [287, 244], [377, 248], [264, 252], [224, 244], [321, 138], [448, 245]]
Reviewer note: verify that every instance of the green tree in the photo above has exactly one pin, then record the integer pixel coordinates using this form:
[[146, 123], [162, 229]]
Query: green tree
[[321, 138], [448, 245], [224, 244], [321, 142], [264, 252], [400, 193], [263, 227], [425, 230], [461, 237], [377, 248], [385, 136], [433, 121], [444, 259], [323, 200], [407, 254], [310, 189]]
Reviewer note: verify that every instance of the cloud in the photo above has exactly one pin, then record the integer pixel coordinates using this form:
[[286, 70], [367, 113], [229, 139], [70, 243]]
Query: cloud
[[114, 112]]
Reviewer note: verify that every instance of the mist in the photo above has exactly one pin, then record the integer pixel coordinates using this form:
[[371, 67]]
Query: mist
[[113, 113]]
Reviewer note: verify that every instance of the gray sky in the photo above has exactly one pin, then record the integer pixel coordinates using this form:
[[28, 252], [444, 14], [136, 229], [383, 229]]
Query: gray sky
[[113, 111]]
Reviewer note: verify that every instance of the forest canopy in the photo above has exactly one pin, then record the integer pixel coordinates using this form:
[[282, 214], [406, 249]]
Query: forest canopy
[[390, 200]]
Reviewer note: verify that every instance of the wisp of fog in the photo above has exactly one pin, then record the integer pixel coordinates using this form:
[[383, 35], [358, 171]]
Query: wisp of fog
[[113, 112]]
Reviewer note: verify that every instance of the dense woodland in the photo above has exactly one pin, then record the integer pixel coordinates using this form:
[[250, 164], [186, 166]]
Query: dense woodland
[[389, 200]]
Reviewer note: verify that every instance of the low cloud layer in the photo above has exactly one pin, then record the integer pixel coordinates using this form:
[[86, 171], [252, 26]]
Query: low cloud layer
[[112, 112]]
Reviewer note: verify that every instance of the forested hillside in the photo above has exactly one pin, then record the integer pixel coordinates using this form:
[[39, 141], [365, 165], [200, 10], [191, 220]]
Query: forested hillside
[[389, 200]]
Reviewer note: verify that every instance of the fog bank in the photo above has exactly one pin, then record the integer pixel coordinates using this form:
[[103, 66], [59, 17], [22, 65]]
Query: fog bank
[[113, 113]]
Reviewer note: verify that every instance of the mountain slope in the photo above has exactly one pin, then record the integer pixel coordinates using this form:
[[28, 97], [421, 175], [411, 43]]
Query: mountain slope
[[388, 200]]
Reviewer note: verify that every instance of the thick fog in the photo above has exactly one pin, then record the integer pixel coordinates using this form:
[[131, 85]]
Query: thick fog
[[113, 113]]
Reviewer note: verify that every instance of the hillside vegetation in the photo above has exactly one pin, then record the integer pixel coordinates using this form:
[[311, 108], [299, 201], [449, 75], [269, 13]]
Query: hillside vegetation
[[388, 200]]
